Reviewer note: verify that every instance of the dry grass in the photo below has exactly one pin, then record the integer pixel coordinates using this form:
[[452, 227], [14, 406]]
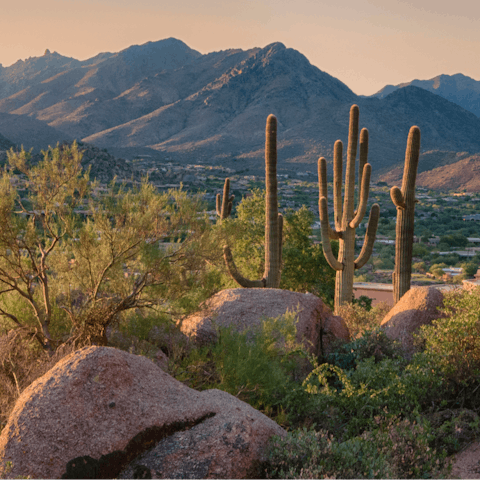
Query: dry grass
[[359, 320]]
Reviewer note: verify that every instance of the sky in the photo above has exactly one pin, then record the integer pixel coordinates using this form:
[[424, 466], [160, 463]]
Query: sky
[[366, 44]]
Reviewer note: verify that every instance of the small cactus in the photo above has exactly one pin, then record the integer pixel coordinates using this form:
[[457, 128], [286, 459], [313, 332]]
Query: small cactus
[[225, 207], [273, 220], [404, 200], [347, 221]]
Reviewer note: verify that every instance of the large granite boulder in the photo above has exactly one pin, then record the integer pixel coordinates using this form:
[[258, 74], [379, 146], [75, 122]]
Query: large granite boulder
[[242, 308], [98, 410], [419, 306]]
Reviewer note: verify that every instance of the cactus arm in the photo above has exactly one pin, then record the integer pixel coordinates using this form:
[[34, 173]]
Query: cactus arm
[[280, 238], [326, 245], [230, 205], [412, 156], [218, 206], [397, 197], [348, 200], [364, 191], [363, 156], [369, 240], [322, 177], [322, 190], [337, 184], [236, 275]]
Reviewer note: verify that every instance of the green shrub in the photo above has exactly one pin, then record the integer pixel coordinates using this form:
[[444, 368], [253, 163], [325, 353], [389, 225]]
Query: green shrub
[[346, 402], [140, 325], [359, 319], [400, 449], [452, 343], [259, 365], [374, 343], [453, 429]]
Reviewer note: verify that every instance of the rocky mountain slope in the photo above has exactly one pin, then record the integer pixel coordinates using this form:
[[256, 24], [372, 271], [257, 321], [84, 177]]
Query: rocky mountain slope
[[459, 89], [165, 98], [456, 172]]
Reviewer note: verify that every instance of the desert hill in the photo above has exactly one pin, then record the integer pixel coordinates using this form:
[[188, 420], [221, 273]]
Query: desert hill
[[440, 170]]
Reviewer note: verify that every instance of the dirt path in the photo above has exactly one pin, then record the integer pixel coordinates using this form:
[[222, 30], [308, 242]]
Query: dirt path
[[466, 464]]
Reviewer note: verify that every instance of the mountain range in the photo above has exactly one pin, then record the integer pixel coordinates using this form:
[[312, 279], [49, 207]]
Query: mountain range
[[458, 88], [171, 102]]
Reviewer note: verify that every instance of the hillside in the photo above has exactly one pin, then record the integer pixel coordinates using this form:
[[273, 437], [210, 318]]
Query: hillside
[[459, 176], [445, 171]]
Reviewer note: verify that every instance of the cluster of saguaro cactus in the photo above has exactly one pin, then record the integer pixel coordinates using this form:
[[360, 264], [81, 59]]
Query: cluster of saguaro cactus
[[224, 205], [273, 220], [404, 200], [347, 221]]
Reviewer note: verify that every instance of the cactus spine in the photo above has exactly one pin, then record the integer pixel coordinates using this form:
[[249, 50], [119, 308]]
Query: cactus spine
[[347, 221], [273, 221], [225, 207], [405, 201]]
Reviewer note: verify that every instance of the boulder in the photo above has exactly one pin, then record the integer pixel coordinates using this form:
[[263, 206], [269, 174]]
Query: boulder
[[216, 448], [242, 308], [100, 408], [419, 306]]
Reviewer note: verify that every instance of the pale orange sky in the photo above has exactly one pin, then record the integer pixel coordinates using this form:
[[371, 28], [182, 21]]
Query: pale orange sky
[[366, 44]]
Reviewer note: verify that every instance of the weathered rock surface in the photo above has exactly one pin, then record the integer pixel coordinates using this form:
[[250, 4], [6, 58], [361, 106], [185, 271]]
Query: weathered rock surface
[[100, 408], [419, 306], [216, 448], [242, 308]]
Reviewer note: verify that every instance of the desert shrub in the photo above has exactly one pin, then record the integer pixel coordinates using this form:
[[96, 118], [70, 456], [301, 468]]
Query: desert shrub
[[360, 319], [374, 343], [346, 402], [453, 429], [259, 365], [452, 346], [363, 301], [399, 449], [140, 324]]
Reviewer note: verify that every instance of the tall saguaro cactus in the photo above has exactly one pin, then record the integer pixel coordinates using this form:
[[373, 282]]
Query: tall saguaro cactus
[[224, 206], [347, 221], [405, 201], [273, 221]]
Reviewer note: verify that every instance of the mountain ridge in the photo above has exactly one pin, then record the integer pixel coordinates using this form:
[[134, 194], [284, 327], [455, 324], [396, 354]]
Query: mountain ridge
[[457, 88], [211, 108]]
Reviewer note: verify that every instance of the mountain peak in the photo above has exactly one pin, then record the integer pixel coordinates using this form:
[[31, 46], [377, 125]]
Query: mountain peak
[[275, 46]]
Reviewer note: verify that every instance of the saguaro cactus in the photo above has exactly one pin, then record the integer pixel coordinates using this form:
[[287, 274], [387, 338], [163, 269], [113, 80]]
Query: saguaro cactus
[[405, 201], [349, 220], [225, 207], [273, 221]]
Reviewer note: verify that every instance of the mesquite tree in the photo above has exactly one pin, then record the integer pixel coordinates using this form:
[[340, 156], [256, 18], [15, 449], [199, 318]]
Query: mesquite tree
[[66, 277]]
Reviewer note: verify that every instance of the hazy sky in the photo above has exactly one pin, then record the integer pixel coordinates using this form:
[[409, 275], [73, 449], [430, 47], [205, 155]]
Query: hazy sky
[[367, 44]]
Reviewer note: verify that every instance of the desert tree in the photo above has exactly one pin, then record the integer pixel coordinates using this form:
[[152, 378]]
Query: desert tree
[[33, 226], [71, 261]]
